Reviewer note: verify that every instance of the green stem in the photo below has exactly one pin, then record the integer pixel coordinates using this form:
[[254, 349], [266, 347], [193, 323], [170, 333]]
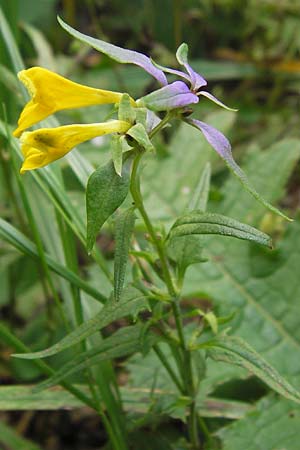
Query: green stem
[[158, 244], [169, 369]]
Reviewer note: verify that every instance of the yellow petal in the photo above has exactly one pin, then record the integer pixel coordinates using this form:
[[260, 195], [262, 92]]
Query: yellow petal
[[51, 92], [46, 145]]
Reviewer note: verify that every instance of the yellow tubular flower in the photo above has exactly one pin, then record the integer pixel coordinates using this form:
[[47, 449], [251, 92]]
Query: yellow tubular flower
[[46, 145], [51, 92]]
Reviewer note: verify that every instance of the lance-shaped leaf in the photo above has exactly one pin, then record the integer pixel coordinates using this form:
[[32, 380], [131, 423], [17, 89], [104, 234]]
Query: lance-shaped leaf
[[124, 229], [222, 146], [200, 223], [140, 135], [131, 302], [234, 350], [175, 95], [122, 343], [187, 250], [106, 191], [119, 54]]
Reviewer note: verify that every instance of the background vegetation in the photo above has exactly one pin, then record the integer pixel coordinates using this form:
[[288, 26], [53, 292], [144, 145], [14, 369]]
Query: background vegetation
[[249, 51]]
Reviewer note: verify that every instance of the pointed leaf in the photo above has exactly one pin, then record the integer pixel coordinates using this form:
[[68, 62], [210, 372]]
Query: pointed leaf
[[124, 229], [234, 350], [105, 192], [140, 135], [121, 343], [131, 302], [198, 222]]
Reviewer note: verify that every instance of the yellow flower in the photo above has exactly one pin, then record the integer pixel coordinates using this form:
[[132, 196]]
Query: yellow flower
[[43, 146], [51, 92]]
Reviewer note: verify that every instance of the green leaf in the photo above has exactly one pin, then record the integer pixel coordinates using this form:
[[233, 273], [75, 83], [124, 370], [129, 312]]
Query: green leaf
[[130, 304], [233, 350], [265, 302], [271, 425], [123, 342], [105, 192], [140, 135], [124, 229], [198, 222], [187, 250], [137, 399]]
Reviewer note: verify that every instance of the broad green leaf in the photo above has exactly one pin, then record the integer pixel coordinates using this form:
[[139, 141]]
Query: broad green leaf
[[25, 246], [123, 342], [200, 223], [13, 441], [265, 301], [131, 302], [123, 230], [233, 350], [140, 135], [271, 425], [105, 192]]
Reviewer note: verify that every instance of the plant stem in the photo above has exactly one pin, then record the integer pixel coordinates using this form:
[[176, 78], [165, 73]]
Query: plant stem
[[189, 388]]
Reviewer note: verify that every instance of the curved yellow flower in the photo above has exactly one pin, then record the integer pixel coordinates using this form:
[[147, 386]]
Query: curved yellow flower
[[43, 146], [51, 92]]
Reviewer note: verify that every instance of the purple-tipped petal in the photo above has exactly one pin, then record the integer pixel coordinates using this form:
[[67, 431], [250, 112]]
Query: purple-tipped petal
[[215, 138], [221, 144], [119, 54], [175, 95], [197, 81], [215, 100]]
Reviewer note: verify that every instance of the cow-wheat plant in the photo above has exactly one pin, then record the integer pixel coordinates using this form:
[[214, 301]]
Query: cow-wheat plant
[[149, 296]]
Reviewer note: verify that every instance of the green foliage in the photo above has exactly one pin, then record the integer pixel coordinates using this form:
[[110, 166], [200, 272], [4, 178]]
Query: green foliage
[[233, 350], [201, 223], [105, 192], [276, 423], [241, 303], [131, 302]]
